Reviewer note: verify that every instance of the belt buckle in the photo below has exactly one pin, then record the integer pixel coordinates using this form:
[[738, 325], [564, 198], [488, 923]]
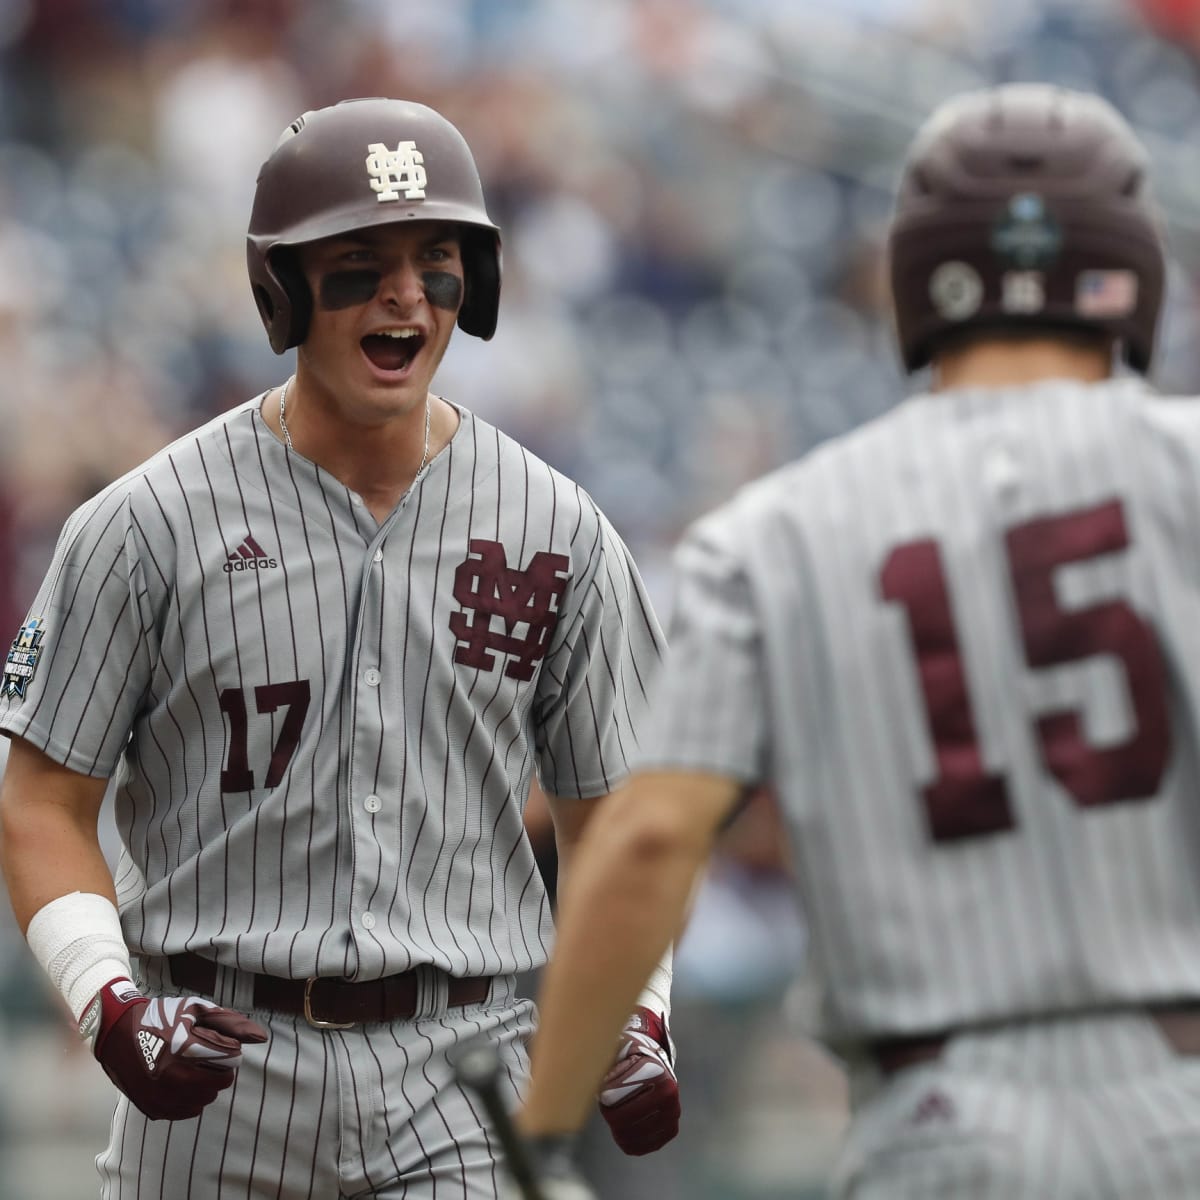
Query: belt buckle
[[316, 1022]]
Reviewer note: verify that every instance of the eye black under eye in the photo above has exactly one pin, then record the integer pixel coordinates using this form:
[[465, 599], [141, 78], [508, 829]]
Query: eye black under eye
[[443, 289], [346, 288]]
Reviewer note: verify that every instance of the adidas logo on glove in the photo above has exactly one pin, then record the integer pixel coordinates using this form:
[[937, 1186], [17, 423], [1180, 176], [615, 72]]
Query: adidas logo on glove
[[151, 1047]]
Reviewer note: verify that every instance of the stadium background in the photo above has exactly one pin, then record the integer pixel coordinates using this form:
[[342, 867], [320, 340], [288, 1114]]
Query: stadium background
[[693, 195]]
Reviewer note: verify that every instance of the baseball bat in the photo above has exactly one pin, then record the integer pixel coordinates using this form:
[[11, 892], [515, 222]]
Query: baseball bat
[[478, 1068]]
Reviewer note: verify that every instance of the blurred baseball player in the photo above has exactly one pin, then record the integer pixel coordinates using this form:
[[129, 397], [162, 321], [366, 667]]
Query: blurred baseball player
[[963, 643], [322, 644]]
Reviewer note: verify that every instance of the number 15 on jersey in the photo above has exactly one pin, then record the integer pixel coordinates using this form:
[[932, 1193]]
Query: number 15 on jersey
[[965, 799]]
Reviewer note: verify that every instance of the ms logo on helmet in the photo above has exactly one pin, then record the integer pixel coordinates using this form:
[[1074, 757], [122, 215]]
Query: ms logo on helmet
[[393, 171]]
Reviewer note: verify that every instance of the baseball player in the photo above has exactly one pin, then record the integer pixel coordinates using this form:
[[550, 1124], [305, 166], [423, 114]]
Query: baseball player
[[961, 642], [321, 645]]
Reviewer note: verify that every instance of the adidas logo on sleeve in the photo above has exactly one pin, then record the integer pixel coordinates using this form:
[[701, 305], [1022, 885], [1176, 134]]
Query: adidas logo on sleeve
[[249, 556]]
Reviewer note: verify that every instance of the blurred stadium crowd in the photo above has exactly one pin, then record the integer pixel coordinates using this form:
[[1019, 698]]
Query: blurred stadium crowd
[[693, 195]]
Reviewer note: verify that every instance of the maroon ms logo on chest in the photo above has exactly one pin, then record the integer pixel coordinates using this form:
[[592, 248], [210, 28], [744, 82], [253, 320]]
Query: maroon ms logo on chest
[[507, 610]]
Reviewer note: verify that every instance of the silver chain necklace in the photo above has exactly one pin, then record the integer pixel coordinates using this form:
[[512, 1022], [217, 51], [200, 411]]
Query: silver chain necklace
[[287, 437]]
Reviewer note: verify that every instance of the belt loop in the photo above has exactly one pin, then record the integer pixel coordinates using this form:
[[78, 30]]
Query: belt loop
[[229, 988], [238, 986], [433, 992], [224, 986], [159, 974]]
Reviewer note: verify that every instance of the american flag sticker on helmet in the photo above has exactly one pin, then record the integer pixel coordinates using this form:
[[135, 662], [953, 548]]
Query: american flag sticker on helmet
[[1106, 293]]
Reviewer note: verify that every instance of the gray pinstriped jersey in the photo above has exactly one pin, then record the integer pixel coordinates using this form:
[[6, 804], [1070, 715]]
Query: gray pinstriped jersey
[[324, 728], [963, 642]]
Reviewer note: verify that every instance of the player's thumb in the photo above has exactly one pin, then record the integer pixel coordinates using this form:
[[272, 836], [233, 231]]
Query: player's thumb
[[232, 1024]]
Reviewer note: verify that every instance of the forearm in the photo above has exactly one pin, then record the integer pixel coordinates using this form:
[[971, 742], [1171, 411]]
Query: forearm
[[49, 844], [569, 832], [621, 905], [47, 852], [58, 879]]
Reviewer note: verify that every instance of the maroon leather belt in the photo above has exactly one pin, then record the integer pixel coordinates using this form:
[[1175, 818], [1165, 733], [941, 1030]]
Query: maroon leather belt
[[326, 1002], [1178, 1024]]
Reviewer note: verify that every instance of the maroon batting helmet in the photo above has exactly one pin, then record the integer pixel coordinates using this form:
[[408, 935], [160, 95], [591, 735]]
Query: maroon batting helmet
[[1025, 206], [357, 164]]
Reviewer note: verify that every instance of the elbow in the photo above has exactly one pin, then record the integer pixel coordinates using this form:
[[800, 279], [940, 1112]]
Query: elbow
[[648, 834]]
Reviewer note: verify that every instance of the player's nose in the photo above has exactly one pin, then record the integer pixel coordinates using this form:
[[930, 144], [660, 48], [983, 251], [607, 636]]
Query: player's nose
[[402, 285]]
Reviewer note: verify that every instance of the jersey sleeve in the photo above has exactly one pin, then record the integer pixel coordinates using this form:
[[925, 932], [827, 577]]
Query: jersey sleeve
[[80, 665], [595, 687], [709, 712]]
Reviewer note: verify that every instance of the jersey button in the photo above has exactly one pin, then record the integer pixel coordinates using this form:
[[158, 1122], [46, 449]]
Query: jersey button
[[379, 555], [356, 501], [371, 677], [368, 920], [372, 804]]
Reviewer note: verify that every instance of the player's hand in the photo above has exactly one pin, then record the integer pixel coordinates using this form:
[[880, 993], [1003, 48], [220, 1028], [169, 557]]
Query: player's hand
[[639, 1097], [552, 1157], [170, 1055]]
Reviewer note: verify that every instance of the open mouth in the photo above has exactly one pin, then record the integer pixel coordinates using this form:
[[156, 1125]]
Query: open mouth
[[393, 350]]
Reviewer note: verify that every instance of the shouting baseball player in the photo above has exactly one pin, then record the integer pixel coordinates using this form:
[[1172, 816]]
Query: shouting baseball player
[[963, 643], [321, 645]]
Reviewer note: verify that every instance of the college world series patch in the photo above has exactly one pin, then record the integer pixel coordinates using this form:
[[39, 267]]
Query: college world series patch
[[22, 659]]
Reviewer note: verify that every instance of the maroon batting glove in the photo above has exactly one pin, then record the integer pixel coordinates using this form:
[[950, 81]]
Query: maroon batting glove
[[639, 1097], [170, 1055]]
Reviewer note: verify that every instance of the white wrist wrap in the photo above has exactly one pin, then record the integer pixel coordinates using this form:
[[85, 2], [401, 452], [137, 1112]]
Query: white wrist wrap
[[656, 995], [78, 941]]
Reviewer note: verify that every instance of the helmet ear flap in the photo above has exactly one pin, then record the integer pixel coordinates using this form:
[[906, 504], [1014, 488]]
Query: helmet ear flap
[[481, 270], [284, 300]]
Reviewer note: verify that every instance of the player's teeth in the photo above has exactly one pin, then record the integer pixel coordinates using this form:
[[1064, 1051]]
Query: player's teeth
[[398, 333]]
